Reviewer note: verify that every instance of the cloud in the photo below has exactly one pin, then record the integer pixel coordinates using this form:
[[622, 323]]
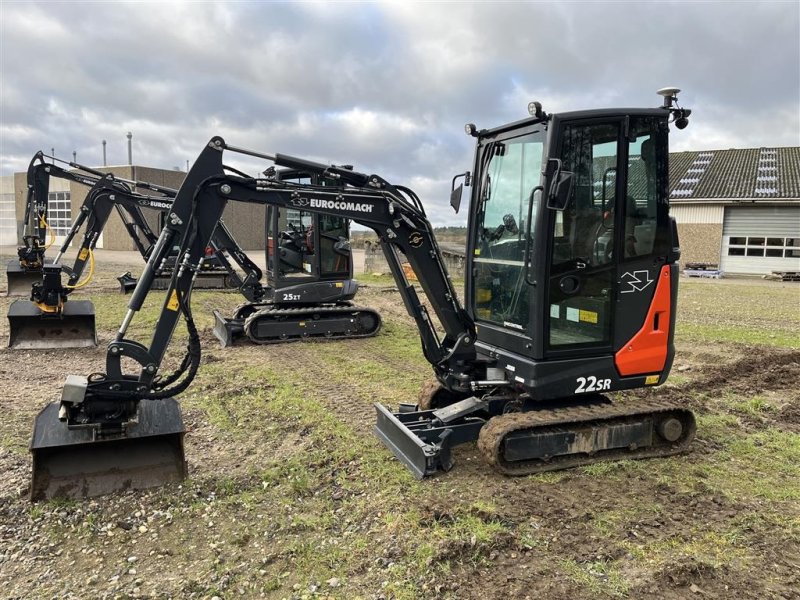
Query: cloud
[[385, 87]]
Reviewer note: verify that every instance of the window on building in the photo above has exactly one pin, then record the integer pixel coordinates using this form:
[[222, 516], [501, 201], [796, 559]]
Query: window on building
[[59, 212], [8, 220], [761, 246]]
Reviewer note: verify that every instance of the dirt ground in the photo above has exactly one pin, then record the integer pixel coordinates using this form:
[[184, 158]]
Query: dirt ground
[[291, 496]]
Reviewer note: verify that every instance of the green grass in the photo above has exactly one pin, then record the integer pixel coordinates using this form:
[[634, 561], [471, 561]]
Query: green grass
[[317, 496], [598, 577], [739, 312], [740, 334]]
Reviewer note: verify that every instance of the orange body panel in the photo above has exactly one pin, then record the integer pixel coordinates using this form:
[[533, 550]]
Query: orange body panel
[[646, 352]]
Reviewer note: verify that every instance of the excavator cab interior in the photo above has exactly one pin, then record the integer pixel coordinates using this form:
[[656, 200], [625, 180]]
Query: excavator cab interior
[[309, 246]]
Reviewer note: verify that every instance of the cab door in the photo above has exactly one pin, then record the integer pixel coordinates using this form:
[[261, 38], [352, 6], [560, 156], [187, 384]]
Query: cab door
[[499, 294], [582, 239]]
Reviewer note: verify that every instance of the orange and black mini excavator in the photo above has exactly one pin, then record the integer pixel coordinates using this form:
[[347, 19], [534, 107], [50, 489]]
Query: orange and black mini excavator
[[571, 284]]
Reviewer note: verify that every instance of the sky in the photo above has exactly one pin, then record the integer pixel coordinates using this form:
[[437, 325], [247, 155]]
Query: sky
[[386, 87]]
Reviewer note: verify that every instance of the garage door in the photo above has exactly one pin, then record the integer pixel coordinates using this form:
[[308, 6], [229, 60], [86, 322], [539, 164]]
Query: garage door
[[761, 239]]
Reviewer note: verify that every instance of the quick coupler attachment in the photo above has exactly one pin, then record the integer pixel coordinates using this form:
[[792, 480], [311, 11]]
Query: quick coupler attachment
[[422, 440]]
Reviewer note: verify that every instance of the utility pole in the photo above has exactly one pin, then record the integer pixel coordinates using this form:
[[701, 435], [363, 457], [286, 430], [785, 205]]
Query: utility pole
[[104, 153], [130, 151]]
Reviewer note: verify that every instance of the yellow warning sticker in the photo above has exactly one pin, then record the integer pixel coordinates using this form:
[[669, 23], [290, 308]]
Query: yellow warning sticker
[[339, 284], [651, 380], [173, 301], [83, 254], [588, 316]]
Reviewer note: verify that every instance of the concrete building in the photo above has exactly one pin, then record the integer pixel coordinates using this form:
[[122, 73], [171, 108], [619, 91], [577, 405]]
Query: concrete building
[[738, 209]]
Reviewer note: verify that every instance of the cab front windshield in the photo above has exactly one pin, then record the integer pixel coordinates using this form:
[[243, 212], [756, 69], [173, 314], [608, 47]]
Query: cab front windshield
[[513, 171]]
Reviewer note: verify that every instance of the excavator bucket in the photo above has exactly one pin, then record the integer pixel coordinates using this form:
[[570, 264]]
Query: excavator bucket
[[77, 463], [127, 282], [30, 328], [20, 280]]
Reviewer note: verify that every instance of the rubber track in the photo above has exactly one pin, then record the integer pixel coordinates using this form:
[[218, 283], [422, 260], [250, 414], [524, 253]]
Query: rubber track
[[308, 313], [248, 308], [494, 432]]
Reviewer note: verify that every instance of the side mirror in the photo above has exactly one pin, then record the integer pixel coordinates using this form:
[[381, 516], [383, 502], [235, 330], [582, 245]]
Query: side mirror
[[456, 192], [455, 197], [562, 184]]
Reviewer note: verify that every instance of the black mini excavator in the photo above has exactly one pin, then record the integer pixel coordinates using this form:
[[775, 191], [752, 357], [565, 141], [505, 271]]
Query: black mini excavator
[[571, 286], [47, 319], [37, 235], [309, 280]]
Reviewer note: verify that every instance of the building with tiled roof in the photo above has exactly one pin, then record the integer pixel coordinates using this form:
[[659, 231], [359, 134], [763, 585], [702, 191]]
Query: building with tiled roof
[[738, 208]]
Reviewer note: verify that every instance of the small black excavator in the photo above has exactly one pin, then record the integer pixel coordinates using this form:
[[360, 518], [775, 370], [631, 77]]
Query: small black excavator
[[37, 235], [309, 280], [571, 286], [48, 320]]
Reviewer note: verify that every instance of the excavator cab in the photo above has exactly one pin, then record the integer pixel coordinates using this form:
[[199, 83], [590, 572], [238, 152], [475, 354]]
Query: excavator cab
[[566, 272]]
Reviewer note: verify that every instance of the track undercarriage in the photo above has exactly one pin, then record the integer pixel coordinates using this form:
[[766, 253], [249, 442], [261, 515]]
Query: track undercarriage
[[519, 437], [273, 323]]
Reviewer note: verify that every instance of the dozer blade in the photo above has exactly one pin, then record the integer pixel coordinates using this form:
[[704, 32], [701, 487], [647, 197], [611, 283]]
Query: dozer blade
[[30, 328], [205, 281], [227, 330], [561, 435], [422, 440], [74, 463], [20, 280]]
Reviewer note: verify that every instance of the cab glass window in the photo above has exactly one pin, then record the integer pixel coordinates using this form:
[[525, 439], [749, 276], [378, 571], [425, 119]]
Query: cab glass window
[[513, 171]]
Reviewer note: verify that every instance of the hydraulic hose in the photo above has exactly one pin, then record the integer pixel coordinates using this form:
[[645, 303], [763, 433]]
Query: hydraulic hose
[[88, 278], [43, 223]]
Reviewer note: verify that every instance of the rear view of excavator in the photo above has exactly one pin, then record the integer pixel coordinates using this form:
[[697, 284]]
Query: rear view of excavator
[[571, 287]]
